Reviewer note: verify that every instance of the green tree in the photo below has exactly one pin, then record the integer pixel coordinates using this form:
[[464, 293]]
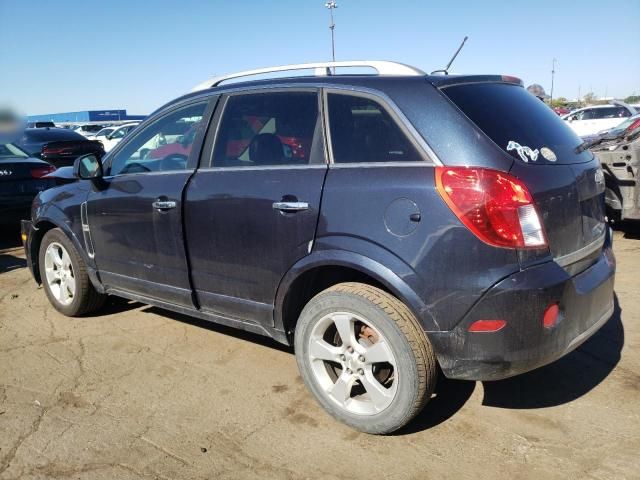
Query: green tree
[[632, 99]]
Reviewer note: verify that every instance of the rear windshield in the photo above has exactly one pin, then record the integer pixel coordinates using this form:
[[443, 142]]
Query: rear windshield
[[519, 123]]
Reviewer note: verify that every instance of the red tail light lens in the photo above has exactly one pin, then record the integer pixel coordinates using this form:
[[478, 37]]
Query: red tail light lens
[[495, 206], [40, 172], [550, 316], [632, 127], [487, 325]]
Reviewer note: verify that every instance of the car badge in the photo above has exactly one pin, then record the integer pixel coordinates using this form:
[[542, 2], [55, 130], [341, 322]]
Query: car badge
[[5, 172], [524, 152], [548, 154]]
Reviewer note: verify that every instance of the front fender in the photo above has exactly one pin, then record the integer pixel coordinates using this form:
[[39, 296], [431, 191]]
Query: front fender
[[378, 263], [48, 216]]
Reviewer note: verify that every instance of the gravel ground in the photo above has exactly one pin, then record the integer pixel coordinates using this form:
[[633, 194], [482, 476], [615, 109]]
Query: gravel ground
[[139, 392]]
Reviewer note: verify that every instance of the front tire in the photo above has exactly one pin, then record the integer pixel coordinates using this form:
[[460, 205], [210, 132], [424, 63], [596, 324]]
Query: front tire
[[365, 358], [64, 276]]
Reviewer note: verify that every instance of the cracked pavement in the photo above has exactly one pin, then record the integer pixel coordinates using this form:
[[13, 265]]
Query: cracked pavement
[[138, 392]]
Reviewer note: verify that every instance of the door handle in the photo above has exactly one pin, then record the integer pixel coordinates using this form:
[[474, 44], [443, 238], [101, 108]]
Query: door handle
[[289, 207], [164, 204]]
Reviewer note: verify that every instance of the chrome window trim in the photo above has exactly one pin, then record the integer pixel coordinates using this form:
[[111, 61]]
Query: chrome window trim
[[264, 167], [381, 164]]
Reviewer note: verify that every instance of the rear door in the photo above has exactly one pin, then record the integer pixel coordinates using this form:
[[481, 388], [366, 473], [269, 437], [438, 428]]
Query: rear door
[[135, 212], [253, 212], [565, 181]]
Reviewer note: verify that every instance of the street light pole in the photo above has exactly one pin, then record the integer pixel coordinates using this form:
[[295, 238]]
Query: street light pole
[[331, 5], [553, 72]]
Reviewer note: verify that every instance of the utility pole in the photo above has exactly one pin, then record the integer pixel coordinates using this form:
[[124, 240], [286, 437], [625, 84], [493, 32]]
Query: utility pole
[[553, 72], [331, 4]]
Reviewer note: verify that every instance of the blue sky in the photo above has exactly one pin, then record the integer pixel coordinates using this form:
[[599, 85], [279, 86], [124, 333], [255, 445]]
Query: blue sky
[[68, 55]]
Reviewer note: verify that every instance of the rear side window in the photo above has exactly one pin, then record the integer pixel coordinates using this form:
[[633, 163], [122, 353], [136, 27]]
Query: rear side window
[[363, 131], [512, 118], [269, 129]]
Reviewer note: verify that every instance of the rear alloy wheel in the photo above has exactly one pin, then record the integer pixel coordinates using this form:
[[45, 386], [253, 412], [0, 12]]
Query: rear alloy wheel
[[64, 276], [365, 358]]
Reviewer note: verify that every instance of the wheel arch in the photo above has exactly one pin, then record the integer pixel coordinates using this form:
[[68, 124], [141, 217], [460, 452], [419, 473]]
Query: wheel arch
[[42, 225], [324, 269]]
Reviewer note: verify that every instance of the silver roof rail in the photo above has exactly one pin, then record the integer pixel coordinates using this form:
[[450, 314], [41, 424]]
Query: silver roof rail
[[320, 69]]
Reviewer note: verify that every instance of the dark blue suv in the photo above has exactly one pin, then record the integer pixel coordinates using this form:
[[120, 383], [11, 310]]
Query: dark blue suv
[[388, 226]]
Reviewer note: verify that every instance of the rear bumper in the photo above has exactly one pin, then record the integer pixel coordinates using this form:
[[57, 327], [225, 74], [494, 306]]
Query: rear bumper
[[586, 302]]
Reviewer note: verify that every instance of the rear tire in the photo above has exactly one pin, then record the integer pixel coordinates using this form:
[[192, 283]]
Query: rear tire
[[64, 276], [381, 375]]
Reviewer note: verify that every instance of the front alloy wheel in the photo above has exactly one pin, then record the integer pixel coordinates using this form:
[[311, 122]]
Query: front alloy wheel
[[59, 273]]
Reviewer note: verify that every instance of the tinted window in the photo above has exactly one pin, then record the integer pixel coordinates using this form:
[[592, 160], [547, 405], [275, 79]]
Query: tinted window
[[363, 131], [9, 150], [508, 113], [159, 147], [263, 129]]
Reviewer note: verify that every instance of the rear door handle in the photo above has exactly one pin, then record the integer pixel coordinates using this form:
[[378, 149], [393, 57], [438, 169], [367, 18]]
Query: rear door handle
[[291, 206], [164, 204]]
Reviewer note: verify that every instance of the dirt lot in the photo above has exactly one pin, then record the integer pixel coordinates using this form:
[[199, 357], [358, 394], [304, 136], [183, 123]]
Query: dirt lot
[[138, 392]]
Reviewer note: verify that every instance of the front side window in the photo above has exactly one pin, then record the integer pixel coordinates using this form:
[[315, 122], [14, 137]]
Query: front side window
[[363, 131], [269, 129], [162, 146]]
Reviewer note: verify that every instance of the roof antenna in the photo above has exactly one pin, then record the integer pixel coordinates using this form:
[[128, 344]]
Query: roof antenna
[[446, 69]]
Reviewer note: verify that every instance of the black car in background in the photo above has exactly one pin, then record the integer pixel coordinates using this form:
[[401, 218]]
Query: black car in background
[[58, 146], [21, 179]]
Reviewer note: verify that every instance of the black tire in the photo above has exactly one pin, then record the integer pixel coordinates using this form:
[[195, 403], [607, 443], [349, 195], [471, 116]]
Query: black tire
[[86, 299], [416, 367]]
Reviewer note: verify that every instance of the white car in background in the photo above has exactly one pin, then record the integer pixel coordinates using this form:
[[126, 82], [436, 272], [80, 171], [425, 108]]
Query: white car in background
[[112, 139], [87, 130], [591, 120], [101, 135]]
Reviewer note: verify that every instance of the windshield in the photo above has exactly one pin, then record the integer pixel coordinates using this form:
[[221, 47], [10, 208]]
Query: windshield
[[10, 150], [519, 123]]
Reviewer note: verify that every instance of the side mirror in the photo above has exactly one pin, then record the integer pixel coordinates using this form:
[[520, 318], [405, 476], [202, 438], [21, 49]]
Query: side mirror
[[87, 167]]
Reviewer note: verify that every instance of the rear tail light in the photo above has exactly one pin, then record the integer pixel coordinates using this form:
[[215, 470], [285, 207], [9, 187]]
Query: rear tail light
[[40, 172], [56, 151], [495, 206], [632, 127]]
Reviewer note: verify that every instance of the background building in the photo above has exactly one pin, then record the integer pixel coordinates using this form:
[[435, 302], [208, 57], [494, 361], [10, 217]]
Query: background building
[[115, 115]]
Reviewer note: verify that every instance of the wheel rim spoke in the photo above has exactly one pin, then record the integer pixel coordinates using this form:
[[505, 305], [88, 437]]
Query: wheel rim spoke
[[344, 323], [66, 261], [341, 390], [71, 285], [321, 350], [379, 352], [379, 395]]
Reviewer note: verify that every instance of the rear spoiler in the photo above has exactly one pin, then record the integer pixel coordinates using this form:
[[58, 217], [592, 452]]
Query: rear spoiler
[[443, 81]]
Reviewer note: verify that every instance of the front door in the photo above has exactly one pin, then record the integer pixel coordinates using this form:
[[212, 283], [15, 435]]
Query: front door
[[135, 212], [252, 215]]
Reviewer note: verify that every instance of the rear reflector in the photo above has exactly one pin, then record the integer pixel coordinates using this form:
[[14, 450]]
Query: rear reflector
[[487, 325], [495, 206], [550, 317], [40, 172]]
